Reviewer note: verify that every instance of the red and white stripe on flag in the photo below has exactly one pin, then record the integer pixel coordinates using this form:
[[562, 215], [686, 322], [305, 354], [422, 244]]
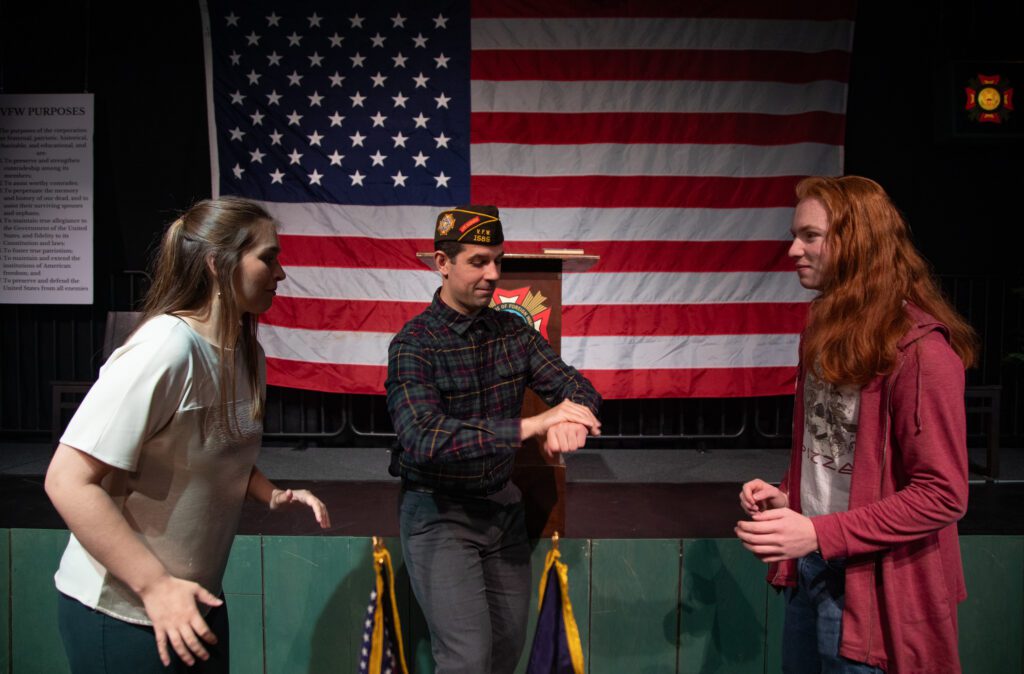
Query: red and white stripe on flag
[[666, 137]]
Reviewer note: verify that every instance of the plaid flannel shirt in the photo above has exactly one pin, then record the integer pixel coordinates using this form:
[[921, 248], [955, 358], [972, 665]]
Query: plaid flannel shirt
[[455, 390]]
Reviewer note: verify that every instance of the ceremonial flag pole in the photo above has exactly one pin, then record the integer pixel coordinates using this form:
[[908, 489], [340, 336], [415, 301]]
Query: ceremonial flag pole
[[556, 643], [382, 651]]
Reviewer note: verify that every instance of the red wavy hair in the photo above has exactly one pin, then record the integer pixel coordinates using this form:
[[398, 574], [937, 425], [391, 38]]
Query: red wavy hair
[[871, 267]]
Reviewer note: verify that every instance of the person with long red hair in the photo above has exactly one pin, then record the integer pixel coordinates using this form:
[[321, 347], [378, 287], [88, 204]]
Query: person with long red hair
[[861, 533]]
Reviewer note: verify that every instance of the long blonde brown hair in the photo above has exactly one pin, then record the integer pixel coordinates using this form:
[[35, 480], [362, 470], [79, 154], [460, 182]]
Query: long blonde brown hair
[[872, 267], [220, 230]]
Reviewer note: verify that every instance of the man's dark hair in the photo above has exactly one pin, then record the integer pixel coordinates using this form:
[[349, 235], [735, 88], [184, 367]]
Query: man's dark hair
[[450, 248]]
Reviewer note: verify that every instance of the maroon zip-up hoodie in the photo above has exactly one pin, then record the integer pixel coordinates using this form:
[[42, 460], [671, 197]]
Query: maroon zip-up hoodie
[[908, 489]]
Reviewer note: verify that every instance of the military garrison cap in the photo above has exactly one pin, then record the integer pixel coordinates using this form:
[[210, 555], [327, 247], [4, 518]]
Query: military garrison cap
[[469, 224]]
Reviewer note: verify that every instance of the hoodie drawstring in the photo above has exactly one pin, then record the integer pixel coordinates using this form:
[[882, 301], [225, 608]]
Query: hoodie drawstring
[[917, 399]]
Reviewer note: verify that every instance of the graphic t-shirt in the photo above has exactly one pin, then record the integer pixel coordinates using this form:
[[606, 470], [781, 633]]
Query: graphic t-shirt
[[830, 434]]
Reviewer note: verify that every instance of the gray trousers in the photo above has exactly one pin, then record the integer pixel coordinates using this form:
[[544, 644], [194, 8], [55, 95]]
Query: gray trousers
[[469, 567]]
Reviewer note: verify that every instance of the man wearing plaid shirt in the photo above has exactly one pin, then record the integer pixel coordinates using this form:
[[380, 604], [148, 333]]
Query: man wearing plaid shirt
[[456, 378]]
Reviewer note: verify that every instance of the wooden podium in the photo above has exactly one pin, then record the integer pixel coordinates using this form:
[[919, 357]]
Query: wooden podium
[[531, 287]]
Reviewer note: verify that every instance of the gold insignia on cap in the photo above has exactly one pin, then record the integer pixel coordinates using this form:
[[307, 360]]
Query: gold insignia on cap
[[445, 224]]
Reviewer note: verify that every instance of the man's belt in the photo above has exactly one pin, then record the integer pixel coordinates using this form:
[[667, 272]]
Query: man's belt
[[452, 492]]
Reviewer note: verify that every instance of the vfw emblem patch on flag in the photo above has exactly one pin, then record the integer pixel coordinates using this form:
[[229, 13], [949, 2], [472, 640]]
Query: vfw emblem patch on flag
[[532, 307]]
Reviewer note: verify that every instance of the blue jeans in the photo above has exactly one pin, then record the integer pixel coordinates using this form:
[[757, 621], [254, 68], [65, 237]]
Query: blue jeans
[[814, 620], [469, 567], [97, 643]]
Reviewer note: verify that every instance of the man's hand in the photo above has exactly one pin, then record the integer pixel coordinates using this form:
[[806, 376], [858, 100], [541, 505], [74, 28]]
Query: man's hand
[[565, 411], [778, 534], [280, 497], [758, 496], [566, 436], [171, 604]]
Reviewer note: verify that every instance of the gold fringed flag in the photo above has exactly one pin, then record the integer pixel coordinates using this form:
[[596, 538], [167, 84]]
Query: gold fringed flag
[[382, 651], [556, 643]]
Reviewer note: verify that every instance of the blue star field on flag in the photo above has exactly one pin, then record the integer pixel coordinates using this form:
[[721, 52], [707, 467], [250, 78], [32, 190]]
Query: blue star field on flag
[[361, 103]]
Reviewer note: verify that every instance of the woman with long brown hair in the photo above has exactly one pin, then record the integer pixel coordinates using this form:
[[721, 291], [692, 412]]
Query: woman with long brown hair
[[861, 533], [151, 473]]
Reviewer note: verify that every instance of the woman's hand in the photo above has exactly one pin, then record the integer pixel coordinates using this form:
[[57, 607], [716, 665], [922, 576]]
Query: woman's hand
[[281, 497], [171, 604], [759, 496], [778, 534]]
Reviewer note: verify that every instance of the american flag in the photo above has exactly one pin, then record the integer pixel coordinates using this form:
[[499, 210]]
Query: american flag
[[665, 137], [383, 659], [382, 651]]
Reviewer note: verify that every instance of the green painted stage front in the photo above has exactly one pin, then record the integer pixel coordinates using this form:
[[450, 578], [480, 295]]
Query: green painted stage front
[[664, 605]]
